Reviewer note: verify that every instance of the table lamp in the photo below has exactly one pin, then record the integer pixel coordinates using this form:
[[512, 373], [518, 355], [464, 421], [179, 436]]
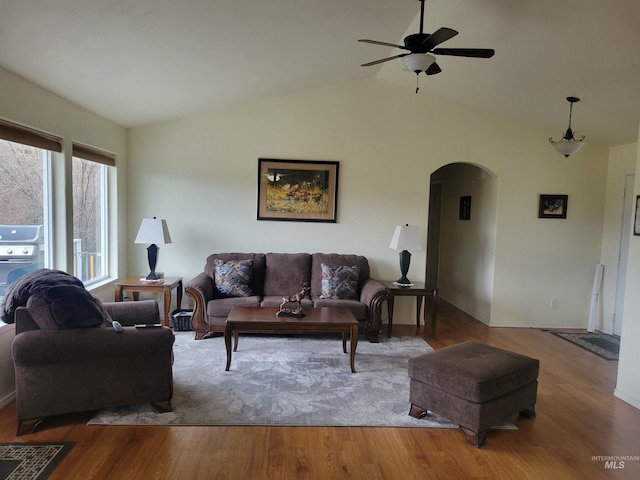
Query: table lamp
[[405, 237], [153, 231]]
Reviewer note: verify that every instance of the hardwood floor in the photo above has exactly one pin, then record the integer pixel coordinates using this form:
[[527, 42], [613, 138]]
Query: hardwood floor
[[578, 418]]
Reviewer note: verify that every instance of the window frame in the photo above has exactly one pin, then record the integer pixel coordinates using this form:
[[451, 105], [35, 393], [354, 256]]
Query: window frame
[[104, 159], [58, 203]]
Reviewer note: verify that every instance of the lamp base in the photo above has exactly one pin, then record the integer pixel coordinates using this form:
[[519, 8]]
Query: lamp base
[[405, 260], [152, 256]]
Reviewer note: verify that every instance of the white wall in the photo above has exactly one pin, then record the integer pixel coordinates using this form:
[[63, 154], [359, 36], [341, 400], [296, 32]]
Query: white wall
[[622, 161], [200, 173], [628, 384]]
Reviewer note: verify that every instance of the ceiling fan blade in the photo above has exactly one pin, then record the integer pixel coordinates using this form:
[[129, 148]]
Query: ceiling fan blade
[[466, 52], [433, 69], [385, 44], [384, 60], [436, 38]]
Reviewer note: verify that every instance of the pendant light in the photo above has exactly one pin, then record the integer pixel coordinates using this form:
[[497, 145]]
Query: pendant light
[[568, 145]]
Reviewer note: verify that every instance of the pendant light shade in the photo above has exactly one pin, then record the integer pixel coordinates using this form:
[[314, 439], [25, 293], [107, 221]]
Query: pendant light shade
[[568, 144]]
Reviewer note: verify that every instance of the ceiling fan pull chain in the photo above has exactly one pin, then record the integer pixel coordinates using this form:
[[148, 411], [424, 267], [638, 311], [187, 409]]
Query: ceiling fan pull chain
[[417, 83]]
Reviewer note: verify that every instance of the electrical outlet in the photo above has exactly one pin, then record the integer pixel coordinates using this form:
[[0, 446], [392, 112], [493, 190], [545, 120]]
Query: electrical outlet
[[554, 303]]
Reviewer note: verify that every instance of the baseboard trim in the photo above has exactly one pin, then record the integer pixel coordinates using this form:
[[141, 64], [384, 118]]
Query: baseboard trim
[[7, 400], [634, 402]]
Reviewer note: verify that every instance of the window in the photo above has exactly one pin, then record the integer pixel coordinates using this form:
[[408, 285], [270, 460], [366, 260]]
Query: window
[[25, 201], [22, 192], [27, 198], [90, 212]]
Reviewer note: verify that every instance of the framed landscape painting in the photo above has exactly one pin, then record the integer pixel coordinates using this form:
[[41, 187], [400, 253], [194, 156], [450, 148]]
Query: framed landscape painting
[[297, 190]]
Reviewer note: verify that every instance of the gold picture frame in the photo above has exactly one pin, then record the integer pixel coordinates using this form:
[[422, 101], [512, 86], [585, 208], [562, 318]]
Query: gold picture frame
[[297, 190]]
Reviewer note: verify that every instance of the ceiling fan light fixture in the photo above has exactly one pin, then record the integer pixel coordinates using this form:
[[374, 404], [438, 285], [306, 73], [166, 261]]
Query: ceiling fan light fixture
[[568, 144], [421, 45], [418, 62]]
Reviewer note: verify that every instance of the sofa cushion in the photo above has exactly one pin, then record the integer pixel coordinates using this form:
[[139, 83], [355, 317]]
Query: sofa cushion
[[285, 273], [335, 259], [276, 301], [233, 278], [221, 307], [340, 282], [359, 309], [257, 267]]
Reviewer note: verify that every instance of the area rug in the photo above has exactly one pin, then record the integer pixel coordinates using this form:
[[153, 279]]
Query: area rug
[[31, 461], [299, 380], [603, 345]]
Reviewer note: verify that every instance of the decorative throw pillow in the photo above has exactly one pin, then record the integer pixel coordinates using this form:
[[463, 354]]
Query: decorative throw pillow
[[233, 278], [340, 282]]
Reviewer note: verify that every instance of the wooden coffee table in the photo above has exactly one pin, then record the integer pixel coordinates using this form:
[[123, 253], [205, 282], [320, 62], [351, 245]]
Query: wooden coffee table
[[316, 320]]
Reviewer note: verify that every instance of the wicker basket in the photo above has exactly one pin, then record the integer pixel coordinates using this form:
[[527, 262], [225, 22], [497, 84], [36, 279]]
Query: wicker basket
[[181, 320]]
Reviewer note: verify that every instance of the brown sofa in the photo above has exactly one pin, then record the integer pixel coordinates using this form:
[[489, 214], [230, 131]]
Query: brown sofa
[[80, 369], [277, 275]]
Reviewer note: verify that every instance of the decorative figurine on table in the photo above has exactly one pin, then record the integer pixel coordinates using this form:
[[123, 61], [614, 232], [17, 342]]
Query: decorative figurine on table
[[285, 311]]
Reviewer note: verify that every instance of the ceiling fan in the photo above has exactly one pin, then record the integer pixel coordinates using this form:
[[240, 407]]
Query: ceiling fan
[[421, 47]]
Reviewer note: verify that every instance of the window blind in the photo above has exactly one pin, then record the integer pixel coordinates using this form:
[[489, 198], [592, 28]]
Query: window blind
[[94, 154], [14, 132]]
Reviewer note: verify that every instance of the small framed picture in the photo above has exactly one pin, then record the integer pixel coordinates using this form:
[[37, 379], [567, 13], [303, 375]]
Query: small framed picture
[[636, 222], [553, 206], [465, 208]]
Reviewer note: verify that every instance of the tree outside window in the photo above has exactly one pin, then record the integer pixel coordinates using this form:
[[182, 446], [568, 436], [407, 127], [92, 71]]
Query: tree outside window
[[89, 219]]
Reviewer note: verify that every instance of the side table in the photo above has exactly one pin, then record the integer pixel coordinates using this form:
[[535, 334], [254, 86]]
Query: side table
[[135, 285], [418, 290]]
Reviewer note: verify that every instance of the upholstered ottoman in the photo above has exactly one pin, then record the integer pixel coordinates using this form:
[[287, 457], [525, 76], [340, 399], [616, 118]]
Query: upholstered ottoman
[[474, 385]]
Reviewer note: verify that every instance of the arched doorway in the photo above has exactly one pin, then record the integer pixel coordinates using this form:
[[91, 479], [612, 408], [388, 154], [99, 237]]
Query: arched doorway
[[461, 236]]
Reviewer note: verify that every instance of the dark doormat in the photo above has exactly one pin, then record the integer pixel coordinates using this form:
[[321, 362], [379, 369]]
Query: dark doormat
[[603, 345], [31, 461]]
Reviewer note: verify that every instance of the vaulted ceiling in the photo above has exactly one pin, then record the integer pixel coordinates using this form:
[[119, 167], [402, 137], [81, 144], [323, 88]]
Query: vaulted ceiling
[[143, 61]]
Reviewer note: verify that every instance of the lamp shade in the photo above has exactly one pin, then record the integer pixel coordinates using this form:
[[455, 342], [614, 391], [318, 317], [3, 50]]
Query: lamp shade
[[567, 147], [154, 231], [406, 237], [418, 62]]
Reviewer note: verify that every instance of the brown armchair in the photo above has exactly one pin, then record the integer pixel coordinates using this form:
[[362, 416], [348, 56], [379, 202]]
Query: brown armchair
[[61, 371]]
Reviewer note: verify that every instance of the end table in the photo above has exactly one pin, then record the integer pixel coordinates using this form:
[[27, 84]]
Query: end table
[[418, 290], [135, 285]]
